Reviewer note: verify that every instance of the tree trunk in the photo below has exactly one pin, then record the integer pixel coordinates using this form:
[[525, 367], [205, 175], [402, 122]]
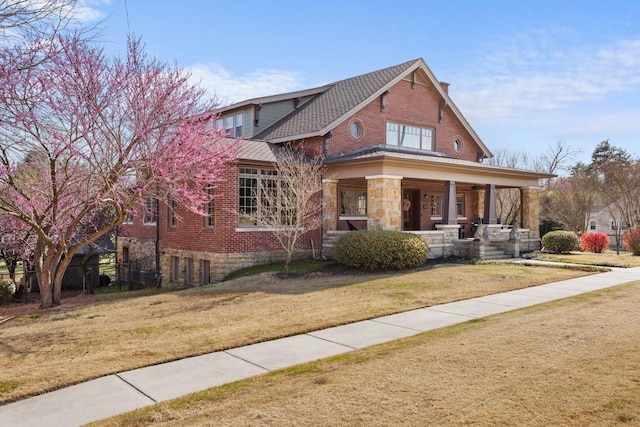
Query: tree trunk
[[48, 268], [60, 266], [43, 274]]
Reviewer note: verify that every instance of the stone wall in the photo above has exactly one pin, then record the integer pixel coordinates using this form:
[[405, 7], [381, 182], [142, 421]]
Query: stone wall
[[220, 264]]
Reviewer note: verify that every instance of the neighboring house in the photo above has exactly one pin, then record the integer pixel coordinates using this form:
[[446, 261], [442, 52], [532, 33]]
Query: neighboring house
[[399, 155], [605, 219]]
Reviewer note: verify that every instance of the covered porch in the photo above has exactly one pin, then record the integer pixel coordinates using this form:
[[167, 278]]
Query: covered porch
[[450, 203]]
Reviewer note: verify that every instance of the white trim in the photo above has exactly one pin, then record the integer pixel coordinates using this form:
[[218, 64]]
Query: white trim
[[384, 176], [259, 229], [353, 217]]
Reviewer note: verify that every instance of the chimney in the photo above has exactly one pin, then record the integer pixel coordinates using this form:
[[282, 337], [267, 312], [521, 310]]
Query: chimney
[[445, 87]]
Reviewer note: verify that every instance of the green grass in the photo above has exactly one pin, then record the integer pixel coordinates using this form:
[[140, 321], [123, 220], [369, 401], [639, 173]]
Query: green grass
[[295, 267], [607, 259]]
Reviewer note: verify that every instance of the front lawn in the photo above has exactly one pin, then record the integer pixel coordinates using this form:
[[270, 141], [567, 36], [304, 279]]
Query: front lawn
[[607, 259], [49, 349]]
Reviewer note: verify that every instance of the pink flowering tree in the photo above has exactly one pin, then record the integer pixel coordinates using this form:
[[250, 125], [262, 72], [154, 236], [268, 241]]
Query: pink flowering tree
[[83, 134]]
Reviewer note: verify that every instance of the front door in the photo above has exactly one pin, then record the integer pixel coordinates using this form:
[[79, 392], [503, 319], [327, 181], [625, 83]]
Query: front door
[[411, 210]]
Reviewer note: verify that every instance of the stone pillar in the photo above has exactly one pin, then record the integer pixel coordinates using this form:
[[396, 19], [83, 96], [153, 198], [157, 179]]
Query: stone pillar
[[329, 205], [530, 210], [384, 200], [490, 216], [449, 209]]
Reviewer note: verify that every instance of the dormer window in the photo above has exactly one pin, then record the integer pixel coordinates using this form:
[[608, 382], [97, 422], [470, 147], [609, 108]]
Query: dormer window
[[409, 136], [230, 125]]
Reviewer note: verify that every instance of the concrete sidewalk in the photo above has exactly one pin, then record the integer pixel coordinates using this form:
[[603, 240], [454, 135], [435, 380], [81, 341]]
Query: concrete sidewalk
[[126, 391]]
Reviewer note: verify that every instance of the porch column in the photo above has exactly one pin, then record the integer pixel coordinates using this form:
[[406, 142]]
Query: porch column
[[449, 208], [329, 204], [478, 203], [490, 205], [384, 200], [530, 210]]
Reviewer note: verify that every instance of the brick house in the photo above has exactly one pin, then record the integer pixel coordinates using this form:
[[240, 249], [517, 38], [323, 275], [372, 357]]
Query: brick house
[[399, 155]]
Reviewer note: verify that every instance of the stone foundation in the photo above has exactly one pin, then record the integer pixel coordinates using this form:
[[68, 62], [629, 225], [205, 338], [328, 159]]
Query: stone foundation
[[142, 252], [220, 264]]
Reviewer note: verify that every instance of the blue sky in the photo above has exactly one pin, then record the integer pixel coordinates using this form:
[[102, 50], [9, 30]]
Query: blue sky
[[526, 74]]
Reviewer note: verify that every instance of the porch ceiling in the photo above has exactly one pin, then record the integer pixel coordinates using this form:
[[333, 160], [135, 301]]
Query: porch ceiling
[[433, 168]]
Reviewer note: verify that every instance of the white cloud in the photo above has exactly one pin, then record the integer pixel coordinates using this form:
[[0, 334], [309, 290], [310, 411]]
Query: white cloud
[[88, 11], [228, 88], [532, 73]]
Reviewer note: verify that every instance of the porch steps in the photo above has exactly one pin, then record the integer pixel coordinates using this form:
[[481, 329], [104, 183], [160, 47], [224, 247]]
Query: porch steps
[[493, 253]]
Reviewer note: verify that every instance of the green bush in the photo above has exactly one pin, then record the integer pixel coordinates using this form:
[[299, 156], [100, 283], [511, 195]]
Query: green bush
[[381, 250], [7, 289], [558, 242]]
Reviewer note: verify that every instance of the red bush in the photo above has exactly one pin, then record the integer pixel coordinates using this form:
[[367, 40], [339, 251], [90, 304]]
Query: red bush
[[594, 242], [631, 241]]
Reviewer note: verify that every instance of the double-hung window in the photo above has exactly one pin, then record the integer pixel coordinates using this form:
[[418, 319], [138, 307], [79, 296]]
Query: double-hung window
[[231, 125], [150, 211]]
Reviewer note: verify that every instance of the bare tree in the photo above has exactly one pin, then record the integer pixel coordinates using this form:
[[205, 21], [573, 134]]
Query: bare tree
[[557, 158], [27, 20], [568, 200], [290, 204], [618, 178]]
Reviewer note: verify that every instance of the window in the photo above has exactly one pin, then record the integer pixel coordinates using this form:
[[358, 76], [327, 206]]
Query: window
[[238, 125], [173, 219], [128, 219], [210, 218], [457, 145], [353, 202], [593, 225], [150, 211], [231, 125], [355, 129], [189, 270], [460, 205], [258, 193], [175, 268], [205, 270], [247, 191], [409, 136], [436, 205]]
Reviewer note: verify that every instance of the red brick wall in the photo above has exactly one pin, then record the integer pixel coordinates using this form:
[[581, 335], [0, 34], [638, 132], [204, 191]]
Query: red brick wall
[[191, 232], [417, 106]]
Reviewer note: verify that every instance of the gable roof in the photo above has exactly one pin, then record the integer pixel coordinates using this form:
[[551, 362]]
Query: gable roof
[[335, 102]]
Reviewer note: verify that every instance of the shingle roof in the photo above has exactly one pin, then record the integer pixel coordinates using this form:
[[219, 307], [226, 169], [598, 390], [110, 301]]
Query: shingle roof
[[258, 151], [337, 100]]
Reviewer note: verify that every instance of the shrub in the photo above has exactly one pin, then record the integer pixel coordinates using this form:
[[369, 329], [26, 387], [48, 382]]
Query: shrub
[[381, 250], [7, 289], [594, 242], [631, 241], [558, 242]]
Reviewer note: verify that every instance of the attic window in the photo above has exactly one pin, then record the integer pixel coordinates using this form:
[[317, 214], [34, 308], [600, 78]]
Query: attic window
[[457, 145], [355, 129]]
